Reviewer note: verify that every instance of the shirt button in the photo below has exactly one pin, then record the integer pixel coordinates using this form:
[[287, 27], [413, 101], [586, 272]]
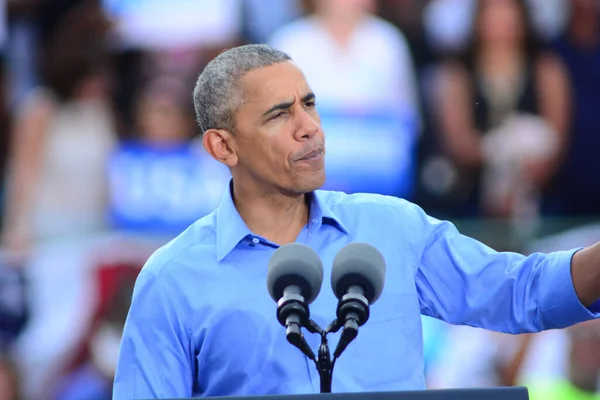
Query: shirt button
[[255, 241], [314, 221]]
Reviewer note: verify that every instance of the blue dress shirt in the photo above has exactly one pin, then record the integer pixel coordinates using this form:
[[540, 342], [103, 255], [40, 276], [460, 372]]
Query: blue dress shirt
[[202, 323]]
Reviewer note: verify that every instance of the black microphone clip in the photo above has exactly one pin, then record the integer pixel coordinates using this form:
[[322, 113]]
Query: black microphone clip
[[293, 314], [352, 313]]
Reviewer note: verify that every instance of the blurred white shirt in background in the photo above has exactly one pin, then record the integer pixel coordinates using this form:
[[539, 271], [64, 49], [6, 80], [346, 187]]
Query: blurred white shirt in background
[[367, 99], [373, 70]]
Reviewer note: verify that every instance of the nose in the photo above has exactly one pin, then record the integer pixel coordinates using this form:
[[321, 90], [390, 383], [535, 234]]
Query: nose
[[307, 126]]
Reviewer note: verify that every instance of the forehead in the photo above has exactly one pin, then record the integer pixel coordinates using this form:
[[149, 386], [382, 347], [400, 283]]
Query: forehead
[[275, 83]]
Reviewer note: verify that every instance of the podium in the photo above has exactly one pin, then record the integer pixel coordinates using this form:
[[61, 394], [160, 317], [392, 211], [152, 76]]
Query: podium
[[500, 393]]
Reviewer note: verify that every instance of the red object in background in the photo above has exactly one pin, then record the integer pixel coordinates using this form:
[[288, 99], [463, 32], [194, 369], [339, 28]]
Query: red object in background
[[110, 279]]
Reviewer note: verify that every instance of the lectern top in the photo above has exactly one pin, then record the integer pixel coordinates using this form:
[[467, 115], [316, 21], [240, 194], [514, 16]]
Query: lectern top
[[502, 393]]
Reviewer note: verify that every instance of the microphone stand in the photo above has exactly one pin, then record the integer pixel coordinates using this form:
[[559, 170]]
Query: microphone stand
[[323, 361], [293, 313]]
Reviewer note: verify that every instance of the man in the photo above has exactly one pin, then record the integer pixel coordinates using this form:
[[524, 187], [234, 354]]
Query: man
[[201, 320]]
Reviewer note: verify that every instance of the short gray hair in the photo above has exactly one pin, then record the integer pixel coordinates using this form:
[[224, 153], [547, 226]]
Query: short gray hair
[[217, 93]]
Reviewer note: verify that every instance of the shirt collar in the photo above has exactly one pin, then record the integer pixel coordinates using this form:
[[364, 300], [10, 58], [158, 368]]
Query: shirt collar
[[231, 228]]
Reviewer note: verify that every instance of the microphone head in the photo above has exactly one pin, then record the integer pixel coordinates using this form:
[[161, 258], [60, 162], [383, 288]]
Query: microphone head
[[358, 264], [295, 264]]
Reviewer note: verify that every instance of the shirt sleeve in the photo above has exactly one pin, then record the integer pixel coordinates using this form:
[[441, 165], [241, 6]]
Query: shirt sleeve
[[155, 357], [462, 281]]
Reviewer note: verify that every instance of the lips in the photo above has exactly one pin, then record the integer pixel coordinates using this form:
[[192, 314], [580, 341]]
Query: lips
[[312, 155]]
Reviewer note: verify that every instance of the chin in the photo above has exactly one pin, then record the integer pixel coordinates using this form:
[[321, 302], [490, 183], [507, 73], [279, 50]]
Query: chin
[[309, 182]]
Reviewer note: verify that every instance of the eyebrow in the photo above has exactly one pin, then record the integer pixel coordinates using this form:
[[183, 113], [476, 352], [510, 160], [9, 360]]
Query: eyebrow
[[285, 105]]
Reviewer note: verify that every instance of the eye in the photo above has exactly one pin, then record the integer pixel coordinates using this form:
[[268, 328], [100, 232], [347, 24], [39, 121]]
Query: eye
[[279, 114], [310, 103]]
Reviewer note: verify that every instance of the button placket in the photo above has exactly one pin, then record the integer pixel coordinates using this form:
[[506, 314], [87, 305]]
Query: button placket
[[311, 228]]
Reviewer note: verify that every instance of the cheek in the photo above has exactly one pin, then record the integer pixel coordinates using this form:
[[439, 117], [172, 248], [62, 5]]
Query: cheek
[[266, 156], [278, 156]]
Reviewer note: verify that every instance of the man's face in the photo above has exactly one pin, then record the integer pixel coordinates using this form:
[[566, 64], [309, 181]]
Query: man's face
[[279, 140]]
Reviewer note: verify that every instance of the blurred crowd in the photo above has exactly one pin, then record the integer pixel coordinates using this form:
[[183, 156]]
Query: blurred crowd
[[477, 110]]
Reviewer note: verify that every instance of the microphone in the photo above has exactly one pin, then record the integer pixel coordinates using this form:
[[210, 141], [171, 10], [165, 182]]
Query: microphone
[[357, 279], [294, 279]]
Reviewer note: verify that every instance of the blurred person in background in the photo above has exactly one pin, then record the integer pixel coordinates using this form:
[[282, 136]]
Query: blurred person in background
[[471, 357], [162, 180], [583, 372], [503, 110], [92, 373], [342, 42], [9, 379], [62, 135], [56, 196], [577, 190], [152, 38], [408, 16]]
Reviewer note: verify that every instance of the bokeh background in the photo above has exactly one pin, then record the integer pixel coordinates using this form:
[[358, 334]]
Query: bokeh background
[[485, 112]]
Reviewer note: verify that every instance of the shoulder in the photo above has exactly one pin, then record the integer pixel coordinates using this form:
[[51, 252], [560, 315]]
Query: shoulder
[[341, 199], [37, 103], [387, 37], [184, 253], [385, 28], [368, 204], [387, 214], [453, 78]]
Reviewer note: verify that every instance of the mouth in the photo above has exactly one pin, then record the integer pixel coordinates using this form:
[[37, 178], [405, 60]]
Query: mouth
[[315, 155]]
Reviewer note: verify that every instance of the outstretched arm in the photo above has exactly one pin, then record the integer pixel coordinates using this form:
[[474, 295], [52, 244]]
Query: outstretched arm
[[462, 281]]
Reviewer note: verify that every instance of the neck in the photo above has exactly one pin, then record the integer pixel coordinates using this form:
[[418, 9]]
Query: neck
[[501, 60], [499, 53], [273, 215], [341, 28]]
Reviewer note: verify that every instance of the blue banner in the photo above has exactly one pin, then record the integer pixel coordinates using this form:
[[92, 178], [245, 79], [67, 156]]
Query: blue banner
[[369, 151], [163, 190]]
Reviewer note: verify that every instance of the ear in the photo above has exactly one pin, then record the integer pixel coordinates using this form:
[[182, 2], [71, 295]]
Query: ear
[[219, 144]]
